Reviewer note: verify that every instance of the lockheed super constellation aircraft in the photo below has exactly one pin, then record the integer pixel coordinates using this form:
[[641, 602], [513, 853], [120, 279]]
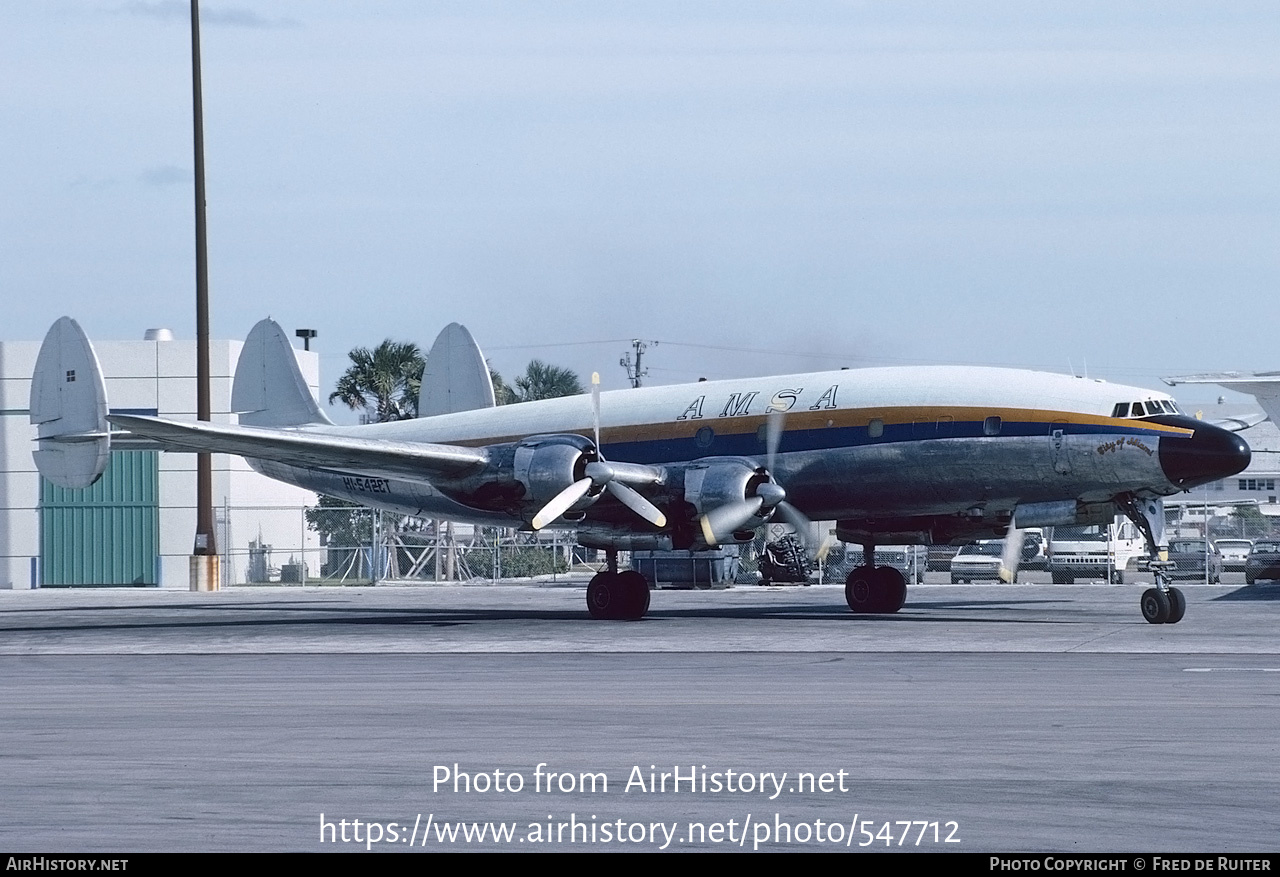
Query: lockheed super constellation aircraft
[[892, 455]]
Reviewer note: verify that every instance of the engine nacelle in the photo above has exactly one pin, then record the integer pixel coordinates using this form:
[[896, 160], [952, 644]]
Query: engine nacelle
[[545, 465], [714, 482]]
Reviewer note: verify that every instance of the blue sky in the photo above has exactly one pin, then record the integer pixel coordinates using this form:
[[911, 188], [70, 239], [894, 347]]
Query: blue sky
[[761, 187]]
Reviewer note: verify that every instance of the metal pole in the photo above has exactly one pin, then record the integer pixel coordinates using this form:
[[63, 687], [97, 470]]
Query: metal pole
[[204, 561]]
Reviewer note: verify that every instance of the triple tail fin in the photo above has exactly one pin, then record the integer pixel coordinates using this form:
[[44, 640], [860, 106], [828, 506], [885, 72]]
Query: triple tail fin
[[456, 377], [69, 407], [269, 389]]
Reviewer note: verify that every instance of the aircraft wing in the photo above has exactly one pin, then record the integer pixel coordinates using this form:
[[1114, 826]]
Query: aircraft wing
[[301, 447], [1263, 386]]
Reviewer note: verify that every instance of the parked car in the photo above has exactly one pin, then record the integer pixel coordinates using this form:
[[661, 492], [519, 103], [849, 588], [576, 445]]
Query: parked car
[[1263, 562], [910, 560], [1235, 553], [1189, 557], [1033, 550], [940, 557], [977, 560]]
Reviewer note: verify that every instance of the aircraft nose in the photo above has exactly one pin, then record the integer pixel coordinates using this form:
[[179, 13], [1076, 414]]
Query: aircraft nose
[[1207, 455]]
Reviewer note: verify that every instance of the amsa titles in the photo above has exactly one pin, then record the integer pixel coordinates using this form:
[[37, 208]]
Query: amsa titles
[[679, 780], [740, 404]]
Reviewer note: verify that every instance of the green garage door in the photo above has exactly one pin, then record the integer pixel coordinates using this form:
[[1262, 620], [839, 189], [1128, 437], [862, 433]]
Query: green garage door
[[105, 534]]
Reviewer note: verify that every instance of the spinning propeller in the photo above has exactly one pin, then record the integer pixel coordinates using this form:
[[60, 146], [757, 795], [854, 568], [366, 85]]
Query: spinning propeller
[[600, 474], [1012, 554], [723, 520]]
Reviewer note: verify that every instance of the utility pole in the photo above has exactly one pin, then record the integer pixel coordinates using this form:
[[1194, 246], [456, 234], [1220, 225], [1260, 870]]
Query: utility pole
[[636, 372], [204, 555]]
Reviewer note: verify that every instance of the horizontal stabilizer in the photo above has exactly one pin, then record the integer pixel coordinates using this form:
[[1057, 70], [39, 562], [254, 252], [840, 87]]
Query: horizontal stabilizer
[[269, 389], [1263, 386], [456, 377], [1239, 424], [299, 447], [69, 407]]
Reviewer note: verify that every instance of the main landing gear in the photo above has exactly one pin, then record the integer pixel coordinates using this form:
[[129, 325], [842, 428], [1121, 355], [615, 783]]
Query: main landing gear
[[879, 589], [617, 596], [1162, 604]]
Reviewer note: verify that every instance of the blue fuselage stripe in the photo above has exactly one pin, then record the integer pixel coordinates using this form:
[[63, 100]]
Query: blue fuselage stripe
[[709, 443]]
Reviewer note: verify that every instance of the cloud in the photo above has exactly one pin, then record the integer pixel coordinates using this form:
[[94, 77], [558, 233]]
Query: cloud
[[176, 10]]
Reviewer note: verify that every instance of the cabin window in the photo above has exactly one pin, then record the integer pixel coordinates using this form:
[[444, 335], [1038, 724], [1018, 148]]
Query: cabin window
[[991, 426], [875, 428], [1121, 410]]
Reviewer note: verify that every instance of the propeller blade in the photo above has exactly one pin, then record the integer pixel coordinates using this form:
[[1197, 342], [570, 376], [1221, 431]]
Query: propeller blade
[[595, 409], [637, 503], [773, 435], [1011, 556], [798, 520], [729, 517], [825, 548], [561, 503]]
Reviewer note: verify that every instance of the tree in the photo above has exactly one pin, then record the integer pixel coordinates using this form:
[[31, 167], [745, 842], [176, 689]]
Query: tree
[[384, 381], [502, 394], [543, 381]]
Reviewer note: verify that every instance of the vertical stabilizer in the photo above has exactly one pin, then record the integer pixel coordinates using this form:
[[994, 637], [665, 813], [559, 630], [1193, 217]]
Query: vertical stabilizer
[[269, 389], [456, 377], [69, 407]]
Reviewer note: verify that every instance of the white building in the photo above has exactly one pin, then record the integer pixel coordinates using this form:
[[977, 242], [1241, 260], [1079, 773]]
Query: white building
[[49, 537]]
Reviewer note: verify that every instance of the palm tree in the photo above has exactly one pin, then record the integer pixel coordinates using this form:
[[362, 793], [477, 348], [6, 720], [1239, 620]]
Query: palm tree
[[383, 382], [502, 394], [543, 381]]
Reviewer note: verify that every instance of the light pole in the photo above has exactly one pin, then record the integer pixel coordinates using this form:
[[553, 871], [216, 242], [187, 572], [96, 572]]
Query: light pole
[[204, 555]]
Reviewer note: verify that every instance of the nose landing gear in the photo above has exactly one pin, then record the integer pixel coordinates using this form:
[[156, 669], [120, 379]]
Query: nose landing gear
[[1162, 604]]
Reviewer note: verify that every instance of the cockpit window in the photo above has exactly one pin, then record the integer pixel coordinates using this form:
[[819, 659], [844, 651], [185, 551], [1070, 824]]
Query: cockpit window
[[1138, 410], [1121, 410]]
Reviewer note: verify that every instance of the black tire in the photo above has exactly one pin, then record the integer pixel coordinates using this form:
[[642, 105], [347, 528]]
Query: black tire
[[893, 589], [634, 591], [860, 590], [1155, 606], [1177, 606], [603, 596]]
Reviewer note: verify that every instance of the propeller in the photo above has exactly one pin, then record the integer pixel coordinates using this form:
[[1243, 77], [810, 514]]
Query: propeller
[[769, 496], [600, 474], [1012, 554]]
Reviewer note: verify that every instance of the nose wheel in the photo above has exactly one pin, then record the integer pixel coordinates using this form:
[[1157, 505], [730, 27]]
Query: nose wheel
[[875, 589], [1163, 606]]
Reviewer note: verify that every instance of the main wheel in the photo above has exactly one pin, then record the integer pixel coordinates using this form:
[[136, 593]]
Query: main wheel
[[860, 590], [1117, 577], [634, 590], [1177, 606], [1155, 606], [892, 585], [604, 597]]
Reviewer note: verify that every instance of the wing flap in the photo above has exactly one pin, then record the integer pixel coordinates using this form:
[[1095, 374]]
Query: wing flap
[[301, 447]]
